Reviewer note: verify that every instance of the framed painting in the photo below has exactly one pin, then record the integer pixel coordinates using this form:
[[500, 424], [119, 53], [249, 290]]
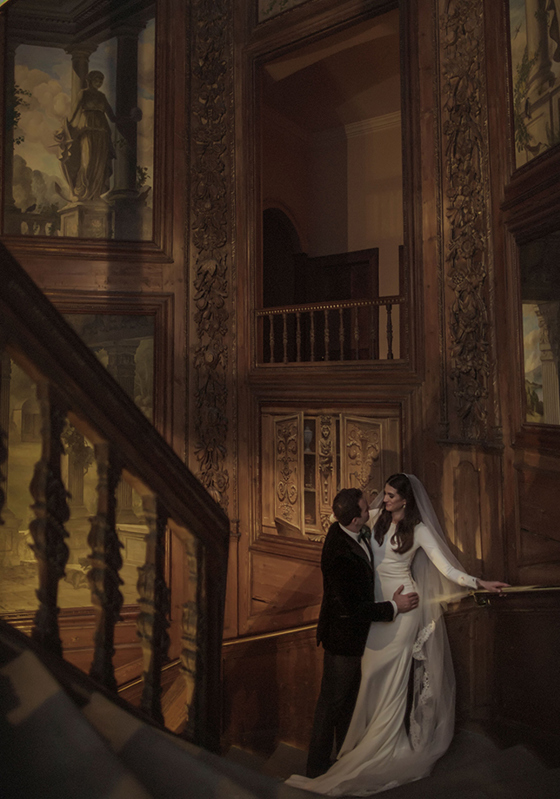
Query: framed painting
[[79, 106], [535, 80], [540, 298]]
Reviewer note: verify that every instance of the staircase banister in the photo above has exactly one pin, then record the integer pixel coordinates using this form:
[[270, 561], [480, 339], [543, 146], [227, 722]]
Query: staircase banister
[[36, 335]]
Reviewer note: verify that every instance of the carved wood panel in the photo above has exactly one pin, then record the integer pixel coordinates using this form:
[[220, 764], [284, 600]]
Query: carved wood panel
[[467, 239], [212, 264], [288, 469], [315, 454]]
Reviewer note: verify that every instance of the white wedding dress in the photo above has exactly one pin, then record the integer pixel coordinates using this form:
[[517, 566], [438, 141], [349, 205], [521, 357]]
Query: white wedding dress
[[377, 752]]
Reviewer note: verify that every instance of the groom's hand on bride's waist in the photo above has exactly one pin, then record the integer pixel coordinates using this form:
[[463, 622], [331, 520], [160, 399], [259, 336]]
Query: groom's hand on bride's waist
[[405, 602]]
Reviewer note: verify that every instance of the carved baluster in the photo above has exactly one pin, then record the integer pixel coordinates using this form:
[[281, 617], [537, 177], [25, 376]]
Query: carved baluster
[[190, 636], [271, 336], [327, 334], [356, 334], [106, 562], [298, 336], [389, 308], [154, 607], [285, 335], [374, 333], [52, 512], [312, 335], [341, 332]]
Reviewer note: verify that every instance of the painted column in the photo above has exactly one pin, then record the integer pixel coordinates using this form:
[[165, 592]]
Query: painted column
[[124, 195]]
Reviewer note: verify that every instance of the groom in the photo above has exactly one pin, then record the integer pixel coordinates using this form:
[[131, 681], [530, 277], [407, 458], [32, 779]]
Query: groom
[[347, 610]]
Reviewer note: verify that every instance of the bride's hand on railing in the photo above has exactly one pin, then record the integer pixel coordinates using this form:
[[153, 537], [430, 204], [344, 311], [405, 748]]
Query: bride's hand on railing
[[494, 586]]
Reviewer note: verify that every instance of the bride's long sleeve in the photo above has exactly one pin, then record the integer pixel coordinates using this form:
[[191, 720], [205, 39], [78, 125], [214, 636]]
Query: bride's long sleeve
[[426, 540]]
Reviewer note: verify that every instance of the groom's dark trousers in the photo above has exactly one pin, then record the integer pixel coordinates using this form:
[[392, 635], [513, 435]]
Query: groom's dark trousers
[[347, 610]]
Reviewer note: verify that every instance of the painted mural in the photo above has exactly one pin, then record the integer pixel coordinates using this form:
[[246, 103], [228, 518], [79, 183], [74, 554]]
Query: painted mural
[[125, 344], [533, 363], [82, 121], [535, 61]]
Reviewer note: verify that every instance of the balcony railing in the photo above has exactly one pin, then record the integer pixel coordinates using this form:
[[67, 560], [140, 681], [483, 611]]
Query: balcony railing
[[348, 330], [72, 386]]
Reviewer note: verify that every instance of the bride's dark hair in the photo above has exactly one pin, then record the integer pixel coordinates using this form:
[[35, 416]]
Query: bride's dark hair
[[404, 533]]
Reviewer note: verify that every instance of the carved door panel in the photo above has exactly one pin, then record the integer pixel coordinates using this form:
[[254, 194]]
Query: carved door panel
[[370, 452], [288, 470]]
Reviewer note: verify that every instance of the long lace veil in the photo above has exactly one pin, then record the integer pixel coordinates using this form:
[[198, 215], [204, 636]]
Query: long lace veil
[[432, 715]]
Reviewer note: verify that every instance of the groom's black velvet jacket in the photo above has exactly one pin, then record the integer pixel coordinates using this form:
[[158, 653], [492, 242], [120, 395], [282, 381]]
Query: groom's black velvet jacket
[[349, 604]]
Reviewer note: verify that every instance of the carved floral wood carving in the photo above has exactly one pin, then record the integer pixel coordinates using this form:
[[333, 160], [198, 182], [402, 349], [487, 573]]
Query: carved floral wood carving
[[210, 225], [327, 446], [467, 252], [287, 457], [362, 452]]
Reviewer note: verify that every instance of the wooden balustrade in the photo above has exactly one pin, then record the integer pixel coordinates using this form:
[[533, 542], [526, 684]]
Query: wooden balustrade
[[73, 386], [327, 331]]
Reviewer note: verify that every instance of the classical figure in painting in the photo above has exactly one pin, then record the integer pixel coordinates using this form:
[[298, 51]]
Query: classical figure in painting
[[85, 140]]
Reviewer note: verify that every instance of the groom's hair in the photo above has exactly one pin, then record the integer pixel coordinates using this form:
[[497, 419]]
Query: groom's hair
[[346, 505]]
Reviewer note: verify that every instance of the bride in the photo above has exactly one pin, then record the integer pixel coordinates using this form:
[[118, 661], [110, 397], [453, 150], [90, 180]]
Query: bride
[[380, 750]]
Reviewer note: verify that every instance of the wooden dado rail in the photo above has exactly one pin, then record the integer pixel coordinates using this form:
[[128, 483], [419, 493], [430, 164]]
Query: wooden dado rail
[[328, 331], [72, 385]]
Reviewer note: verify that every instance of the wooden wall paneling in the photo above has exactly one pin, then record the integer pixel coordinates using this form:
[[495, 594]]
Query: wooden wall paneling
[[467, 513], [469, 628], [526, 652], [536, 543], [282, 585], [271, 684], [471, 509]]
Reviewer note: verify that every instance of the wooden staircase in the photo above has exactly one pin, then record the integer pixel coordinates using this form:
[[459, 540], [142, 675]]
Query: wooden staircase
[[73, 387], [63, 736]]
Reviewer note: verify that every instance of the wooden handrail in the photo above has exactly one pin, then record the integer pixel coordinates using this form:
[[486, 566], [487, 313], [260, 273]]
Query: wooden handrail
[[35, 335], [333, 304]]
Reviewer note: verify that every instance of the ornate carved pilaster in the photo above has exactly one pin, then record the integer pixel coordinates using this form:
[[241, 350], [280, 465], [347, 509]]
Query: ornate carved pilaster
[[467, 246], [212, 275], [52, 513]]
